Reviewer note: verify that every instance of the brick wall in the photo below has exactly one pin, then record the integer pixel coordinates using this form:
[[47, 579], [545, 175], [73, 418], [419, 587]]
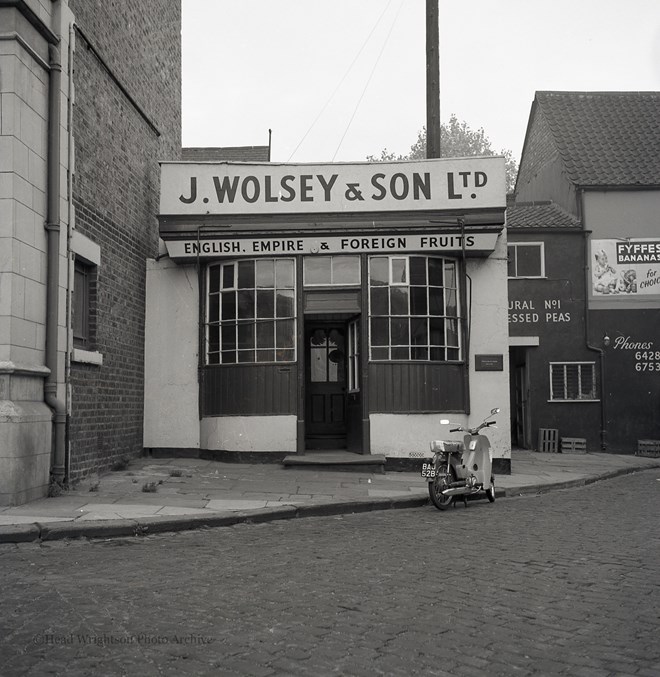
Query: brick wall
[[127, 116]]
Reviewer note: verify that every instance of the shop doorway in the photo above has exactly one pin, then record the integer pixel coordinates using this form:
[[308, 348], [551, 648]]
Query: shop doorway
[[325, 385], [520, 398]]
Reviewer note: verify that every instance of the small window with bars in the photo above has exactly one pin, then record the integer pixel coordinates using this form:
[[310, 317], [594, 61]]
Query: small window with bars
[[572, 381]]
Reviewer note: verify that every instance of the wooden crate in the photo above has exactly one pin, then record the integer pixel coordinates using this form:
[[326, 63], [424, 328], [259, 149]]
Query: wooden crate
[[573, 445], [548, 438], [649, 448]]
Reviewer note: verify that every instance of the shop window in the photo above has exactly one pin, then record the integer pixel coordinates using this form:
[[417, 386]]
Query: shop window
[[353, 356], [251, 311], [331, 270], [83, 304], [571, 381], [526, 259], [414, 309]]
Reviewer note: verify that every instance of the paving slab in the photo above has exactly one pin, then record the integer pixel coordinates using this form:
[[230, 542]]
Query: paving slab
[[212, 493]]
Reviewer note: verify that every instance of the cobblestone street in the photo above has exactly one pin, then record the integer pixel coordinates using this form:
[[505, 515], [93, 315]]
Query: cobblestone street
[[561, 583]]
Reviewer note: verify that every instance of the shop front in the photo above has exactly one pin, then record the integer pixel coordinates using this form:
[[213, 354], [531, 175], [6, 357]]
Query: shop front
[[336, 306]]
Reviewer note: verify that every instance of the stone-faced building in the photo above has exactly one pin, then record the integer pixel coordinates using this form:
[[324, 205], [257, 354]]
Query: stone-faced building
[[584, 271], [90, 97]]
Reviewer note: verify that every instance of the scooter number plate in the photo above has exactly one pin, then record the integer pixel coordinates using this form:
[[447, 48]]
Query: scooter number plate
[[428, 471]]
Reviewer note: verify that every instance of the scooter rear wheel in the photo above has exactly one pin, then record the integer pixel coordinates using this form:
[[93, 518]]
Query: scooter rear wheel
[[436, 487]]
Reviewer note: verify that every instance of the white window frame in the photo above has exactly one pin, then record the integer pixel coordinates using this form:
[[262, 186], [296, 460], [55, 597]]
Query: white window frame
[[541, 246], [594, 383], [332, 282]]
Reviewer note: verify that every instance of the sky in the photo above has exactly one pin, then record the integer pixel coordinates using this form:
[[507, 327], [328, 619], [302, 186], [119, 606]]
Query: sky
[[339, 80]]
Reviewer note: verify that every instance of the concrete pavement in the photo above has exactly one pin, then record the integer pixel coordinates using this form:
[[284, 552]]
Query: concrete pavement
[[155, 495]]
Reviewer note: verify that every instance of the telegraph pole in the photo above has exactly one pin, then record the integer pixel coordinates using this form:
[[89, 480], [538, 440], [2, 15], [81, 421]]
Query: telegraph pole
[[432, 80]]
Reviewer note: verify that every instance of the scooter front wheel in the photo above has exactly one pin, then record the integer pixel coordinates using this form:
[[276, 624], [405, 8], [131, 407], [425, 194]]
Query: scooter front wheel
[[439, 484], [490, 492]]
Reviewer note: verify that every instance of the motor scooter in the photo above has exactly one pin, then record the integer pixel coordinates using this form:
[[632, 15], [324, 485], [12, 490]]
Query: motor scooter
[[461, 468]]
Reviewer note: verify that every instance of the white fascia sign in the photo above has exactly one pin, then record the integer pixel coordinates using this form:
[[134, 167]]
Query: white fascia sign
[[471, 244], [243, 189]]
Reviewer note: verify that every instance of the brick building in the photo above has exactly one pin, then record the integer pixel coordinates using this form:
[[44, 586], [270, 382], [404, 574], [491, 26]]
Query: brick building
[[91, 100], [584, 271]]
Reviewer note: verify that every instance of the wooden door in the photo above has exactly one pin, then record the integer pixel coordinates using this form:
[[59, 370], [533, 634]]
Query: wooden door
[[325, 383]]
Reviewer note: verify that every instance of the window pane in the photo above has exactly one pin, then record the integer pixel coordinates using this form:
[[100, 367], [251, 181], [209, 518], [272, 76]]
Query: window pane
[[286, 355], [246, 275], [419, 331], [246, 304], [214, 338], [80, 292], [418, 270], [450, 275], [399, 271], [400, 353], [284, 273], [265, 273], [419, 353], [228, 276], [318, 364], [400, 331], [436, 301], [266, 303], [228, 356], [246, 335], [437, 354], [346, 270], [214, 308], [380, 354], [214, 358], [228, 305], [435, 272], [317, 270], [228, 336], [246, 356], [285, 303], [379, 271], [452, 332], [380, 301], [284, 332], [214, 279], [452, 308], [399, 300], [437, 331], [266, 355], [380, 331], [418, 304], [265, 334], [528, 261]]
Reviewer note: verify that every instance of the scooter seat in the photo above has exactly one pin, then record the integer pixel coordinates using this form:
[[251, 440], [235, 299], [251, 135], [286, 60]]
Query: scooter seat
[[447, 446]]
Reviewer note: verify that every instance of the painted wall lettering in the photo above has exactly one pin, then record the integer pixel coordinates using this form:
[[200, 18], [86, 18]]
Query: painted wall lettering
[[551, 312]]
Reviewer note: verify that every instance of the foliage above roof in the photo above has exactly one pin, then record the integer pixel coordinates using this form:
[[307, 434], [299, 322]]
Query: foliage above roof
[[605, 138]]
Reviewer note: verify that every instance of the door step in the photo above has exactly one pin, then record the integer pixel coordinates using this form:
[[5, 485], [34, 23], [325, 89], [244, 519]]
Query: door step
[[337, 461]]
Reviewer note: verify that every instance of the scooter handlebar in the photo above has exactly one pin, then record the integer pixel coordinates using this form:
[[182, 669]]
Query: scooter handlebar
[[455, 430]]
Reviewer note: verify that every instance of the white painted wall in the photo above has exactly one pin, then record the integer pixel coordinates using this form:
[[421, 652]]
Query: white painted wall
[[249, 433], [171, 391], [406, 435]]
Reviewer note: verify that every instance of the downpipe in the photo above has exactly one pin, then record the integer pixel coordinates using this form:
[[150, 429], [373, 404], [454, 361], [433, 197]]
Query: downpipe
[[53, 271]]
